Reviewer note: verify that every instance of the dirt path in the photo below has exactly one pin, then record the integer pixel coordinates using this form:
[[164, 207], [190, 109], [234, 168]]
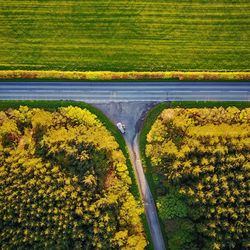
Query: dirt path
[[132, 115], [148, 201]]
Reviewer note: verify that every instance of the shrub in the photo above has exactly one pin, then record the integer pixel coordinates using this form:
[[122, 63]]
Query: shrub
[[108, 75], [183, 237], [172, 206]]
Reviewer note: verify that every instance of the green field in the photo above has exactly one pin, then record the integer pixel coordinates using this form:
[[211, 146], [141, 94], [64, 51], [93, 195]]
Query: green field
[[122, 35]]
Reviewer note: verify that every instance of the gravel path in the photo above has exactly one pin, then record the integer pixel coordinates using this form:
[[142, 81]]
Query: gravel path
[[132, 115], [148, 201]]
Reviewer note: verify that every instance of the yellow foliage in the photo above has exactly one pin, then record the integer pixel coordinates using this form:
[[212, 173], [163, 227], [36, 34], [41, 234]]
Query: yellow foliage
[[108, 75], [205, 154], [52, 177]]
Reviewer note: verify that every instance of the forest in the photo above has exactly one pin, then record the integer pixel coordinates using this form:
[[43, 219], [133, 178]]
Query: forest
[[64, 183], [200, 162]]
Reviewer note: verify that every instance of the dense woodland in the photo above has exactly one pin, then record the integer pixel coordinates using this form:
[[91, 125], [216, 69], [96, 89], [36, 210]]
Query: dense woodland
[[64, 183], [200, 162]]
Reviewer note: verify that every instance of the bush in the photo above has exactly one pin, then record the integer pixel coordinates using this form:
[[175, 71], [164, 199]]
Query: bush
[[183, 236], [109, 75], [172, 206]]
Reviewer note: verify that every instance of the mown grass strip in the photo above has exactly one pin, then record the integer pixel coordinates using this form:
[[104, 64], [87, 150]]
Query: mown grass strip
[[209, 104], [122, 76], [148, 171]]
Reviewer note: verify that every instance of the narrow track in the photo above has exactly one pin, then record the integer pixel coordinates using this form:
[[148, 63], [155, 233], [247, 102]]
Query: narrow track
[[146, 195]]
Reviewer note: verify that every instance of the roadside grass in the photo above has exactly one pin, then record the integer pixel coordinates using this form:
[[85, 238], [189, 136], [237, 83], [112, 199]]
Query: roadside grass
[[135, 35], [147, 167], [209, 104], [54, 105], [149, 121]]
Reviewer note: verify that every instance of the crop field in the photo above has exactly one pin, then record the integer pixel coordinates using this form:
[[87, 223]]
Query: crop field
[[122, 35]]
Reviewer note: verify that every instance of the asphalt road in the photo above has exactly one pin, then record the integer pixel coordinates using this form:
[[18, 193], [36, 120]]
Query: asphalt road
[[96, 92]]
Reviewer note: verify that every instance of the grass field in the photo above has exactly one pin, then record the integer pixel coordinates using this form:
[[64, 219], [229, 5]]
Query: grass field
[[122, 35]]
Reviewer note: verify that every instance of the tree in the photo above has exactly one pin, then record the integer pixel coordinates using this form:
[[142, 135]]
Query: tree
[[53, 183], [209, 166]]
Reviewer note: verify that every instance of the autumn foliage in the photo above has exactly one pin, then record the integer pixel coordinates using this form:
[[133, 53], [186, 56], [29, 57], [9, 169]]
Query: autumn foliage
[[204, 154], [64, 183]]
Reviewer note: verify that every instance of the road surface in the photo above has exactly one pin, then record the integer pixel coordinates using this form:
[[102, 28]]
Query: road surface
[[95, 92], [148, 201]]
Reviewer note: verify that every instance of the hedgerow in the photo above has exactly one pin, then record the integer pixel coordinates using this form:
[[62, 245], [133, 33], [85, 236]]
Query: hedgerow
[[108, 75]]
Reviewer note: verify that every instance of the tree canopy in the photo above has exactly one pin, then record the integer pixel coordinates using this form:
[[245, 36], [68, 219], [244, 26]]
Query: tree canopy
[[204, 155], [64, 183]]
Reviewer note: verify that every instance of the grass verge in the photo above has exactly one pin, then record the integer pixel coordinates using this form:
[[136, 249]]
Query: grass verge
[[209, 104], [53, 105]]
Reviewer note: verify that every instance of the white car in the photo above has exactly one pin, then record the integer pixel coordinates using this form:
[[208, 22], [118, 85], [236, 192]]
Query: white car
[[121, 127]]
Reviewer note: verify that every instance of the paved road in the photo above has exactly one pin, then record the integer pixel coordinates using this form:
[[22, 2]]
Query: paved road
[[95, 92]]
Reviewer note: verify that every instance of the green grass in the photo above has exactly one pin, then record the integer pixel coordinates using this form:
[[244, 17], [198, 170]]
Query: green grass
[[148, 169], [125, 35], [209, 104], [147, 124]]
